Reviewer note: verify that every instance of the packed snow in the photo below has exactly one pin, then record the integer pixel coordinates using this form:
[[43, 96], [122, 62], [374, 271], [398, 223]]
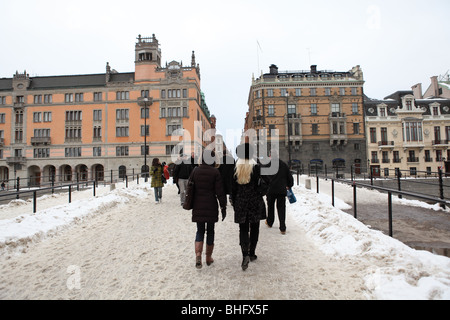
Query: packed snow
[[388, 268]]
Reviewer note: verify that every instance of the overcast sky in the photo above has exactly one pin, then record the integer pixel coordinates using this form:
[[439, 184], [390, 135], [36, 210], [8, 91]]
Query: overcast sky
[[397, 43]]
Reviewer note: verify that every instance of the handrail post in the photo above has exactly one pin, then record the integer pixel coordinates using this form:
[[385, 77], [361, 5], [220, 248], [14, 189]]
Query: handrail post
[[441, 187], [354, 200], [34, 201], [390, 212], [70, 193], [332, 192]]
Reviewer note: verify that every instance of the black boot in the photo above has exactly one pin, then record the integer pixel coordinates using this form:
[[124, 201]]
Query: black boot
[[245, 256], [251, 252]]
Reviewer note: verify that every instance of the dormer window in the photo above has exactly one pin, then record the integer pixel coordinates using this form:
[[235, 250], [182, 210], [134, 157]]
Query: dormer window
[[408, 105]]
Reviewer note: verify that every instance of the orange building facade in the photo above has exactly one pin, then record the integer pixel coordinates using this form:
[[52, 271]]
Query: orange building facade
[[86, 126]]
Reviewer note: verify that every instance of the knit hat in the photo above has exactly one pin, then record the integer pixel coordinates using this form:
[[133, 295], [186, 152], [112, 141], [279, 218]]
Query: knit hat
[[245, 151]]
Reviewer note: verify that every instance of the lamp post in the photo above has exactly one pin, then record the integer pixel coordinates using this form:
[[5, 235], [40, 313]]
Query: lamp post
[[145, 102], [288, 127]]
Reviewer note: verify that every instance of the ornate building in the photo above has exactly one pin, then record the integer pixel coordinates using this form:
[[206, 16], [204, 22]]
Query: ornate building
[[318, 115], [408, 134], [84, 126]]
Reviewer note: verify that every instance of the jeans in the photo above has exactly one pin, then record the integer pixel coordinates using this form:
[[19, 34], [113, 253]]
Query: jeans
[[158, 193], [281, 209], [200, 235], [182, 184]]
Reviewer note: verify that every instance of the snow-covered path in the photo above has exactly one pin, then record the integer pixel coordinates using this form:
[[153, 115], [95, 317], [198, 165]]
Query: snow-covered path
[[121, 245]]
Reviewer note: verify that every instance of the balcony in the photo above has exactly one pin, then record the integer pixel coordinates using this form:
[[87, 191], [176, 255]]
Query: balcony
[[15, 160], [385, 160], [440, 141], [40, 140], [337, 115], [386, 144], [412, 159]]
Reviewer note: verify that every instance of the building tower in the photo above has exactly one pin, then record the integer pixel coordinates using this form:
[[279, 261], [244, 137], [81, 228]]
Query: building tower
[[147, 58]]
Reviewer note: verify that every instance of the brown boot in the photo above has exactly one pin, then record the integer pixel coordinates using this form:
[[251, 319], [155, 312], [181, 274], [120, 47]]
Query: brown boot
[[198, 254], [209, 251]]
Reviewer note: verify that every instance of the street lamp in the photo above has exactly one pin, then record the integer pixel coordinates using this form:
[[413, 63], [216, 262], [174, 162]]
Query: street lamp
[[288, 127], [145, 102]]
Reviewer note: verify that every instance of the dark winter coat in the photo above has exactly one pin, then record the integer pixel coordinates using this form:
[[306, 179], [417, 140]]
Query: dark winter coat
[[182, 171], [282, 179], [208, 188], [226, 171], [248, 204]]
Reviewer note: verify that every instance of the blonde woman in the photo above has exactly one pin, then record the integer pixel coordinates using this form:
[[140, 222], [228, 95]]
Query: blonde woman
[[248, 204]]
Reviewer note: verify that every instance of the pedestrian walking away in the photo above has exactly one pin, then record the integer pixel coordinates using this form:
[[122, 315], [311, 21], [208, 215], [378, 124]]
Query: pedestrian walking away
[[226, 169], [280, 182], [181, 175], [208, 195], [156, 173], [248, 204]]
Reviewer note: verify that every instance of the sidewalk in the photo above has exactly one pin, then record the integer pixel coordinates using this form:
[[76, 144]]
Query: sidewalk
[[140, 250]]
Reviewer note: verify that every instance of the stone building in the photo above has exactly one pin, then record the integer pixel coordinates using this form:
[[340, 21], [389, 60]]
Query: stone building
[[407, 133], [318, 115], [85, 126]]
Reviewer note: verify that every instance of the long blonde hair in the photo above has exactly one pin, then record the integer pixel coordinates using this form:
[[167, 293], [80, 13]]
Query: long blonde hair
[[243, 171]]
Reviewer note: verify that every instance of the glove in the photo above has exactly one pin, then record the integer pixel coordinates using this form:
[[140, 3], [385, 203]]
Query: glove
[[224, 213]]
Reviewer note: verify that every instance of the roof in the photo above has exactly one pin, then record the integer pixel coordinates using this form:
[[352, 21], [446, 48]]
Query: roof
[[71, 81]]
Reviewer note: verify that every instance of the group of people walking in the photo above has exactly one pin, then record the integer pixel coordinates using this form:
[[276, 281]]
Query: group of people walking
[[215, 179]]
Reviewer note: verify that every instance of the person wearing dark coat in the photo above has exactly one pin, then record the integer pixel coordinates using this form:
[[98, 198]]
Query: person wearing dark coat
[[208, 190], [248, 204], [279, 184], [226, 170], [181, 175]]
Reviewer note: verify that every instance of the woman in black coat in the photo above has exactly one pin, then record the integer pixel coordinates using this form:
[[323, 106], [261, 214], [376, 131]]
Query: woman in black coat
[[208, 188], [248, 204]]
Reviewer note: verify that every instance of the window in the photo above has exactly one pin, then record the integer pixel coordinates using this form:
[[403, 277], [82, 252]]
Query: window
[[354, 108], [41, 153], [328, 91], [97, 151], [172, 128], [271, 110], [356, 128], [2, 117], [19, 117], [314, 128], [144, 93], [98, 96], [428, 156], [122, 114], [439, 155], [41, 133], [147, 130], [283, 92], [122, 95], [38, 99], [342, 91], [270, 92], [313, 109], [146, 148], [163, 94], [354, 91], [185, 112], [292, 109], [121, 131], [396, 157], [412, 131], [312, 92], [73, 116], [384, 135], [335, 109], [298, 92], [79, 97], [68, 97], [97, 133], [185, 93], [73, 133], [145, 113], [47, 116], [72, 152], [382, 112], [37, 116], [373, 135], [374, 157], [122, 151], [97, 115], [2, 100]]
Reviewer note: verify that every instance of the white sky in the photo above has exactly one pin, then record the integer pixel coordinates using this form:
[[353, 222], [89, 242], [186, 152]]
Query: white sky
[[397, 43]]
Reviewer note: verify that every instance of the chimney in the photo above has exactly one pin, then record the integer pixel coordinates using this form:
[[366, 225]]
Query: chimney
[[417, 91], [273, 69], [314, 68], [434, 86]]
